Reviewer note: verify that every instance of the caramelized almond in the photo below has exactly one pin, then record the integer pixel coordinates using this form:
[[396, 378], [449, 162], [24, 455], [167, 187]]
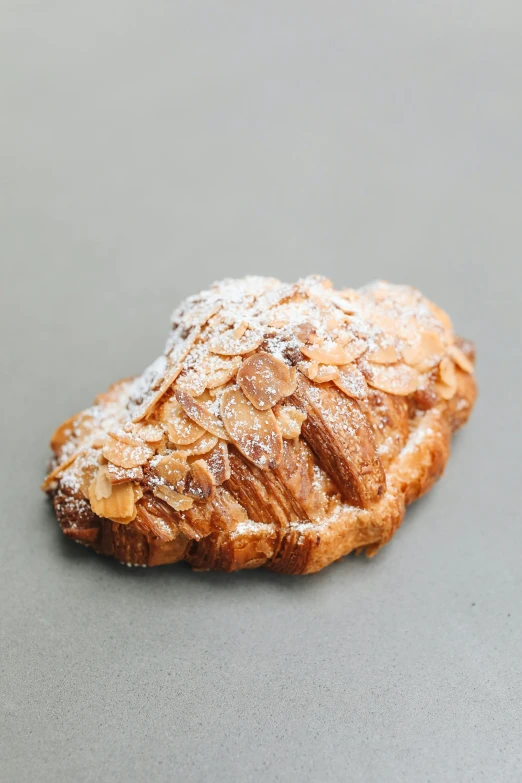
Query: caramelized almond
[[202, 446], [219, 370], [218, 462], [447, 372], [151, 433], [102, 485], [265, 379], [326, 372], [174, 499], [255, 433]]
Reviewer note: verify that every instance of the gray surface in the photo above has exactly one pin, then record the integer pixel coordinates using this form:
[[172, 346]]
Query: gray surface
[[147, 149]]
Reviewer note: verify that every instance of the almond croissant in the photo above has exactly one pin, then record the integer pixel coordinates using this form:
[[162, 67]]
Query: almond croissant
[[284, 426]]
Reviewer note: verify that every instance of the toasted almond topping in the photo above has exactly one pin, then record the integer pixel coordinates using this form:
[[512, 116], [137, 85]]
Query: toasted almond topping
[[425, 352], [227, 344], [218, 462], [200, 482], [392, 378], [383, 354], [265, 380], [126, 452], [151, 433], [175, 499], [201, 446], [181, 429], [309, 368], [352, 382], [193, 381], [255, 433], [118, 475], [220, 370], [201, 414], [290, 420], [102, 485], [445, 391], [460, 358], [173, 468], [120, 506], [326, 372], [306, 332], [331, 352], [348, 306], [447, 372], [240, 330], [53, 475]]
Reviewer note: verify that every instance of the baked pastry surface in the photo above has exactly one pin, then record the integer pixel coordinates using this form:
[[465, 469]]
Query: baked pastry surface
[[284, 426]]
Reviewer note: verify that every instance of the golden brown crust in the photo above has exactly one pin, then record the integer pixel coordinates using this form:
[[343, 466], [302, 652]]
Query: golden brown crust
[[275, 468]]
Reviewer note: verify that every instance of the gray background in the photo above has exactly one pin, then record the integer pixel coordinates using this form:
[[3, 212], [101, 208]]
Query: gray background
[[146, 150]]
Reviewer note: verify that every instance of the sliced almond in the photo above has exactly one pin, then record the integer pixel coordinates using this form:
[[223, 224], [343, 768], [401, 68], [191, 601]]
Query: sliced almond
[[331, 352], [347, 305], [218, 462], [309, 368], [174, 499], [460, 358], [326, 372], [151, 433], [447, 372], [201, 484], [306, 332], [255, 433], [199, 413], [220, 370], [290, 420], [227, 344], [173, 468], [445, 391], [425, 352], [126, 452], [119, 506], [265, 379], [399, 379], [118, 475], [102, 485], [182, 430], [352, 382], [383, 354], [53, 475], [192, 381], [201, 446]]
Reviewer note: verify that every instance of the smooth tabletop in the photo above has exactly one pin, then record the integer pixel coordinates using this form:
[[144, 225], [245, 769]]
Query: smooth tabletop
[[147, 149]]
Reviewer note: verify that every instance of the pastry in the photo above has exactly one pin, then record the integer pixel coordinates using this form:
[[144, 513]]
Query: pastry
[[284, 426]]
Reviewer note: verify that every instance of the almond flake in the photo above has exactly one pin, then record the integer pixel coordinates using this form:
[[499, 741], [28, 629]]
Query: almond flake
[[102, 485], [126, 452], [460, 358], [392, 378], [151, 433], [309, 368], [192, 381], [181, 429], [218, 462], [173, 468], [118, 475], [175, 500], [447, 372], [326, 372], [384, 354], [219, 370], [265, 379], [255, 433], [331, 352], [201, 446], [120, 506], [53, 475], [425, 352], [290, 420], [445, 391], [348, 306], [352, 382], [201, 414], [200, 482], [227, 344]]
